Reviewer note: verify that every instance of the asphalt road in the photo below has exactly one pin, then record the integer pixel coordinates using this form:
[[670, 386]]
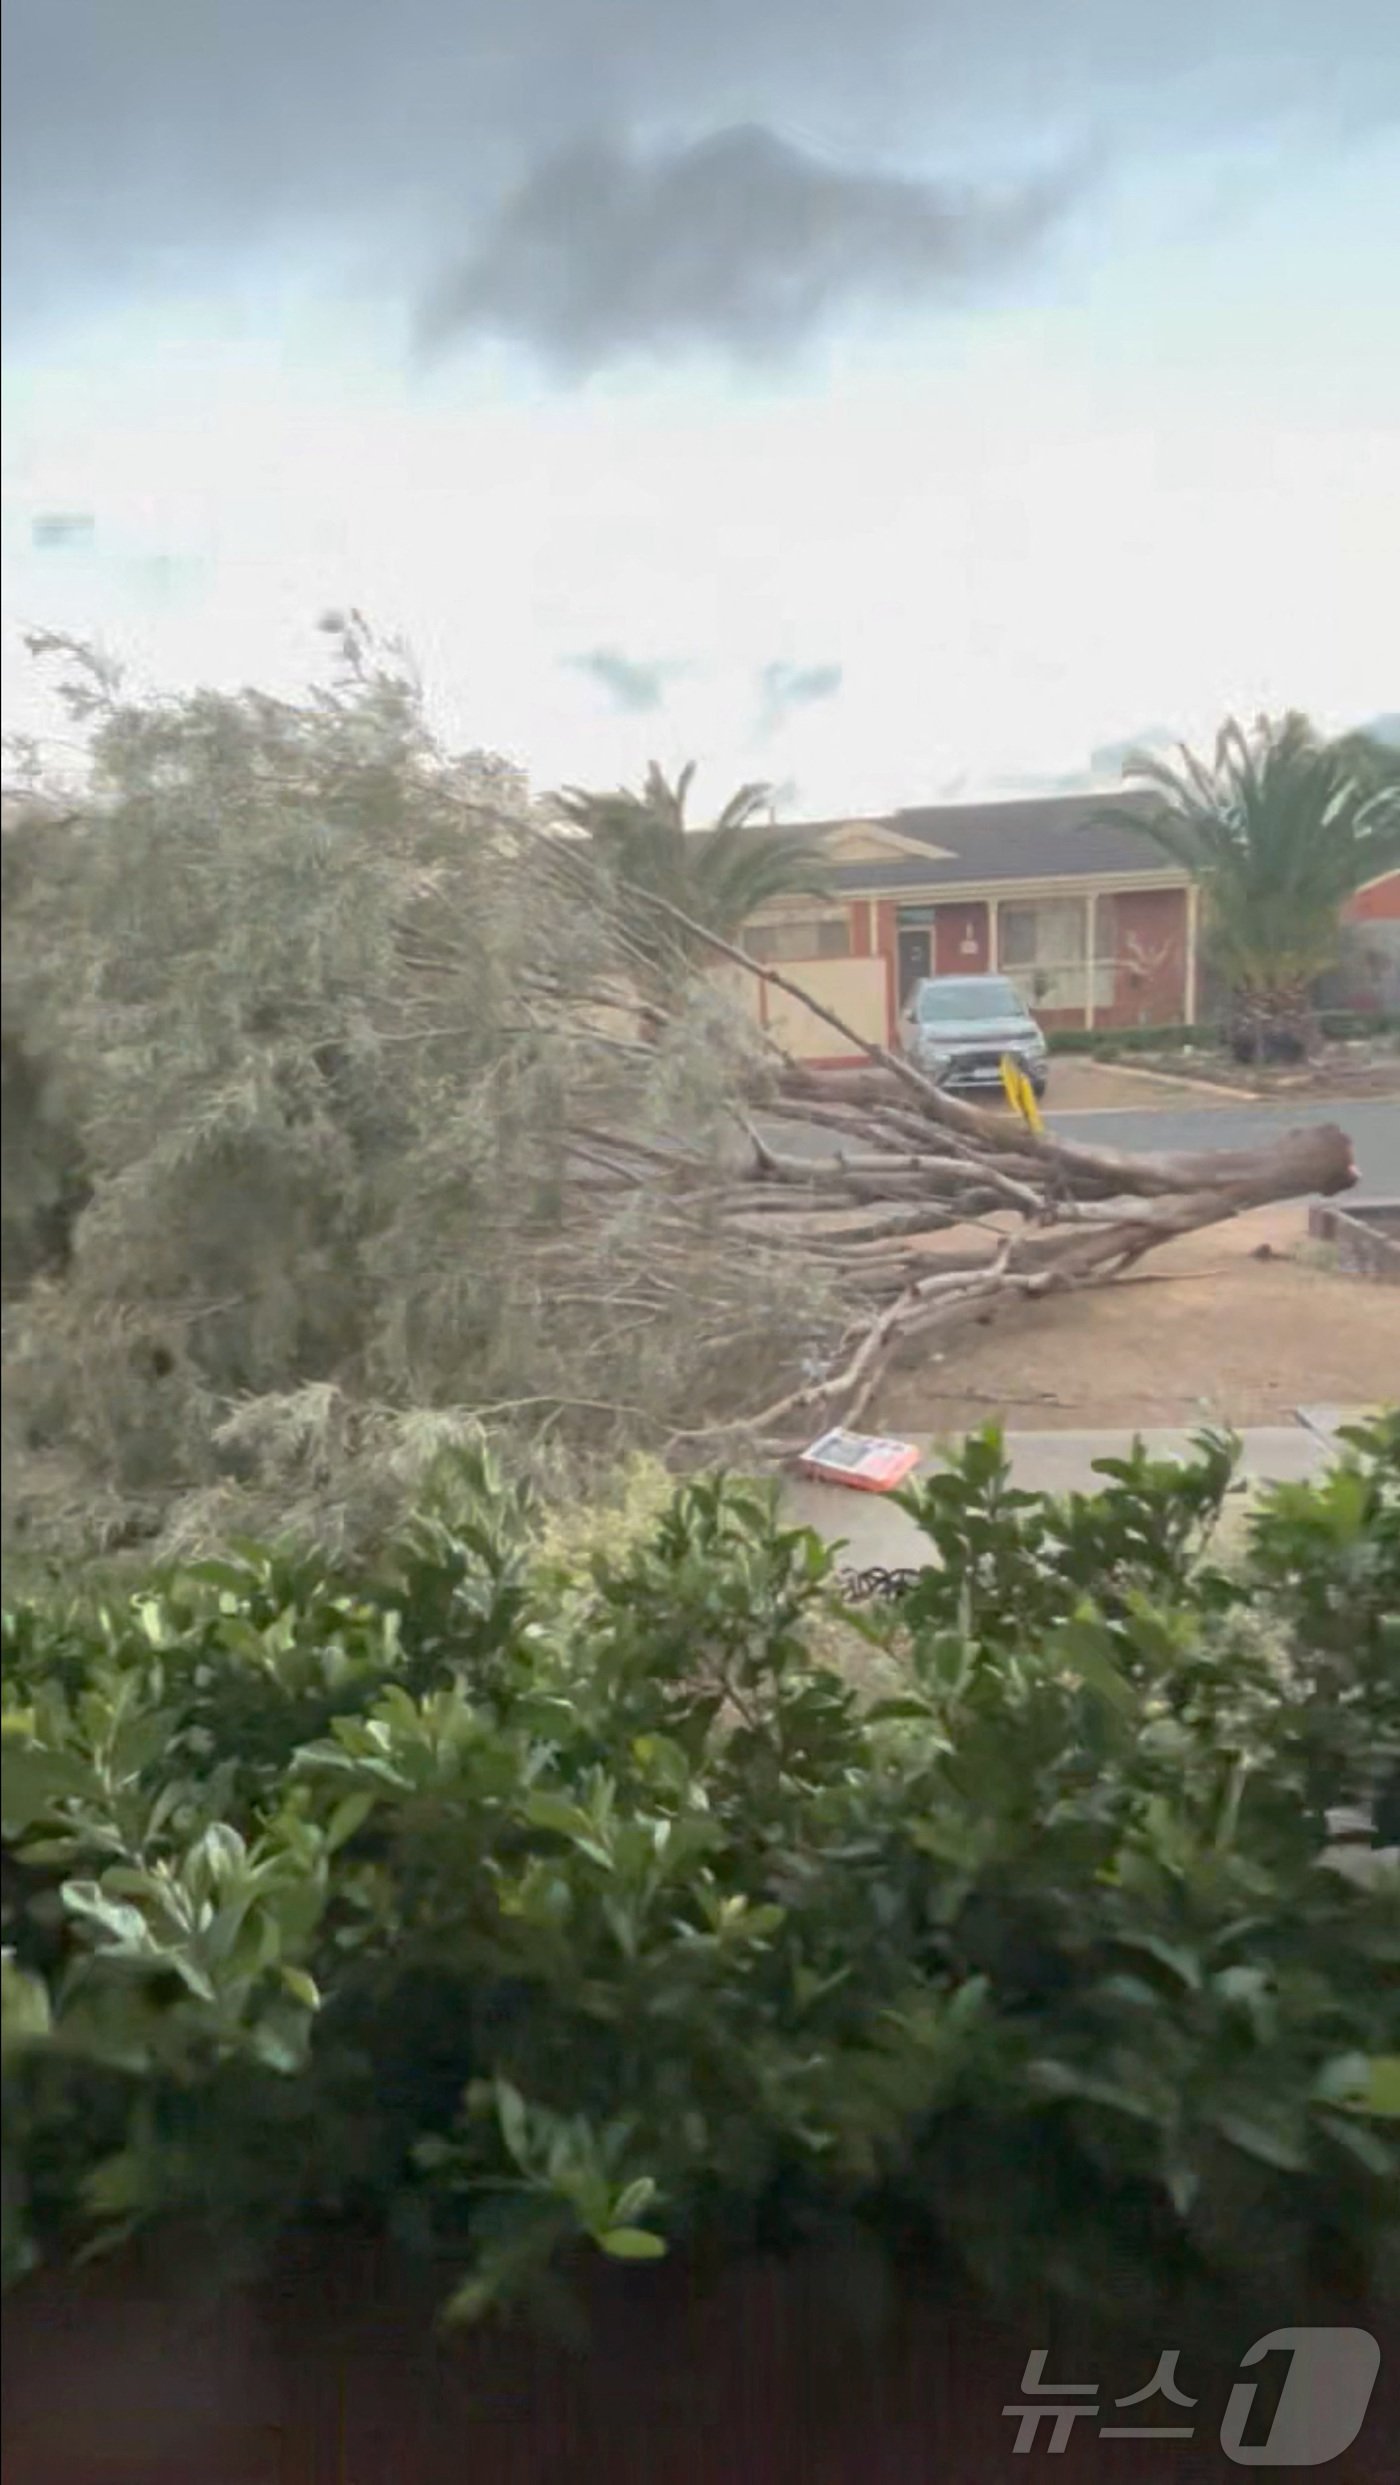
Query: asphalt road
[[1372, 1123]]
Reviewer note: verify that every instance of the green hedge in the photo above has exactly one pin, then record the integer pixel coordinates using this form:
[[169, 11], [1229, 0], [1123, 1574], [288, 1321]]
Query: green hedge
[[515, 1910], [1339, 1026], [1131, 1039], [1346, 1026]]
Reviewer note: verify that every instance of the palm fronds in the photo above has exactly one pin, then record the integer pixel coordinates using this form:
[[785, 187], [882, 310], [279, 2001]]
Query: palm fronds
[[718, 877], [1280, 827]]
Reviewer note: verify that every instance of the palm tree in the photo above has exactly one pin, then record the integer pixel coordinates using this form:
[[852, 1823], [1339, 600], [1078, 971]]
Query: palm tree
[[1278, 830], [719, 877]]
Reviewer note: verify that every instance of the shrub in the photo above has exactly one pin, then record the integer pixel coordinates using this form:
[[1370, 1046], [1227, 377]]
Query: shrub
[[506, 1908], [1346, 1026], [1131, 1039], [1339, 1026], [304, 1016]]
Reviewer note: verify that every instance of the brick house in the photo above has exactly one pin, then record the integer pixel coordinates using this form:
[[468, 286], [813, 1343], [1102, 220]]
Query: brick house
[[1367, 975], [1093, 925]]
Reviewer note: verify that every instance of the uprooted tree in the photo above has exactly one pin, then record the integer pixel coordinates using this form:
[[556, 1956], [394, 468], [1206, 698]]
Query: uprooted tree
[[907, 1161], [348, 1112]]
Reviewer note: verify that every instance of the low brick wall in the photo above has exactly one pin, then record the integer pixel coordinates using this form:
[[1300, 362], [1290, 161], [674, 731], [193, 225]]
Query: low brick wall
[[759, 2372], [1366, 1240]]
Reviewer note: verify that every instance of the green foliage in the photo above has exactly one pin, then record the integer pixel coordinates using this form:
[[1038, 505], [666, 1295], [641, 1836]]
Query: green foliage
[[520, 1909], [1339, 1026], [300, 1012], [1109, 1040], [1011, 1560], [1354, 1026], [717, 877], [1279, 830]]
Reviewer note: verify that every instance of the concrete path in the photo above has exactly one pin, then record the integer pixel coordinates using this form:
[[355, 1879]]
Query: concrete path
[[879, 1535]]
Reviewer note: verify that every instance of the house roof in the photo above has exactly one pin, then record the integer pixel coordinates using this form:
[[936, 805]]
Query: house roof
[[1062, 837]]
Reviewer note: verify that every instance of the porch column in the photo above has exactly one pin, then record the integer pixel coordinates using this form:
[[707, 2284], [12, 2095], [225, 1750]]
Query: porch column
[[1091, 929], [1193, 933]]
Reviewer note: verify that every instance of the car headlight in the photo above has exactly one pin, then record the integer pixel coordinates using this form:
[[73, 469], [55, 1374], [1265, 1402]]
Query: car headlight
[[1035, 1045]]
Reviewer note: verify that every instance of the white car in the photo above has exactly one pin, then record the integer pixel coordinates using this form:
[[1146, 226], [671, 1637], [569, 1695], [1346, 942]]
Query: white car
[[960, 1029]]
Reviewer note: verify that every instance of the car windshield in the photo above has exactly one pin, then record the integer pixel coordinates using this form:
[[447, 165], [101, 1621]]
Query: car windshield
[[969, 996]]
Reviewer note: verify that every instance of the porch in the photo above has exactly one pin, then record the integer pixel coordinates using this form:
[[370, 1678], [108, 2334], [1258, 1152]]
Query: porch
[[1117, 956]]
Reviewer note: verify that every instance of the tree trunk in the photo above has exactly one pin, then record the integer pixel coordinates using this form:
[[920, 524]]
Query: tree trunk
[[1272, 1022]]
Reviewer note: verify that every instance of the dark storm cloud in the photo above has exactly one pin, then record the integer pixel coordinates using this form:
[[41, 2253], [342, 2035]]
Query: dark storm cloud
[[1111, 757], [634, 689], [784, 687], [146, 140], [740, 242]]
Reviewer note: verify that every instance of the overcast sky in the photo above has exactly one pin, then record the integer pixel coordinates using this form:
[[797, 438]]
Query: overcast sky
[[892, 400]]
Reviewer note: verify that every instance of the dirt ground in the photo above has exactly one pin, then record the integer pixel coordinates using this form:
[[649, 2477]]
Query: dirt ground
[[1207, 1331]]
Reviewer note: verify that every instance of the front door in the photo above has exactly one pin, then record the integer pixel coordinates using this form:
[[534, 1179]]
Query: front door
[[915, 956]]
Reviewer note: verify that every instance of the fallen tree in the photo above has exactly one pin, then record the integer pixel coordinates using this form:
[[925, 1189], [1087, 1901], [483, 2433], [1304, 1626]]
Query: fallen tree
[[348, 1115], [904, 1162]]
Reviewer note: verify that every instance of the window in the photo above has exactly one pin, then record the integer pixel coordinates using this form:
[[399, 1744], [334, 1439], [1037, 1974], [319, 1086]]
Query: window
[[800, 936], [1044, 946], [1019, 928]]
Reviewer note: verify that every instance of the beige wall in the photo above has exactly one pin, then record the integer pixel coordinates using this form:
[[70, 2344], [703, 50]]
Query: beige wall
[[854, 987]]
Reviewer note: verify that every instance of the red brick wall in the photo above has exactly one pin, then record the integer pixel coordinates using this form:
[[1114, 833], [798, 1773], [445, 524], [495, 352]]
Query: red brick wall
[[1378, 904], [756, 2372], [1149, 949], [954, 927], [1148, 939]]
